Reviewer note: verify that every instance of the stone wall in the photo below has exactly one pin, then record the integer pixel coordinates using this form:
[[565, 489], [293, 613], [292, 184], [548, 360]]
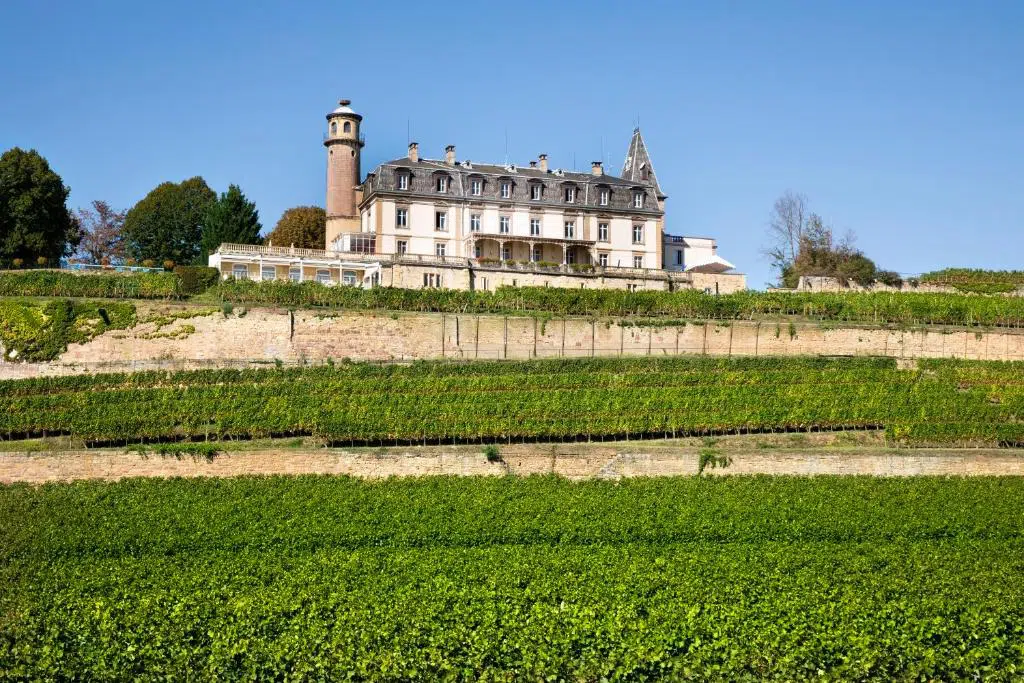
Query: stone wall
[[267, 335], [820, 283], [574, 461]]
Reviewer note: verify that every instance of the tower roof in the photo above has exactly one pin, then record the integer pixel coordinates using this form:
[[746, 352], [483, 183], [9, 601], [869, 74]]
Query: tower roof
[[343, 109], [638, 167]]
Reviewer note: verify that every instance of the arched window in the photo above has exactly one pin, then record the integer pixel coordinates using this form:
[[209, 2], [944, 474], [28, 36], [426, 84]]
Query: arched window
[[348, 127], [334, 127]]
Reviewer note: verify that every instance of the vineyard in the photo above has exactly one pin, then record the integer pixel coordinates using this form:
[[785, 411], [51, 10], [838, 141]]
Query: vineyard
[[52, 283], [941, 402], [881, 308], [863, 307], [977, 281], [513, 579]]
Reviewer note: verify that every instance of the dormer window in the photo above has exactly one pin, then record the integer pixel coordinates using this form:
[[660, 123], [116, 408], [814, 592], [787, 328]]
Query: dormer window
[[638, 200], [476, 187], [403, 181], [570, 195], [441, 183], [536, 191], [603, 196], [506, 189]]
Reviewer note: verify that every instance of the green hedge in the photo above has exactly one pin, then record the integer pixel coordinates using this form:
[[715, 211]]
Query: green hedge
[[196, 279], [52, 283], [944, 402], [867, 307], [513, 579]]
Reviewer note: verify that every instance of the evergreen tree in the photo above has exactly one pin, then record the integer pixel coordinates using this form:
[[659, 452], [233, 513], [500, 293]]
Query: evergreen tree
[[231, 219], [167, 224], [34, 219]]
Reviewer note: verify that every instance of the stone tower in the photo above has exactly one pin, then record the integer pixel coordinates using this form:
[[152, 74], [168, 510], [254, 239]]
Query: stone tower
[[344, 147]]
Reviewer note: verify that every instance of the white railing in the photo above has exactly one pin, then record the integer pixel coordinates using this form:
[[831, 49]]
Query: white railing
[[326, 255]]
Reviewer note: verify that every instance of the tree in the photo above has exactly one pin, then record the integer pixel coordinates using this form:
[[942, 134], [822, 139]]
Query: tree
[[785, 230], [230, 219], [820, 254], [101, 233], [167, 224], [34, 218], [301, 226]]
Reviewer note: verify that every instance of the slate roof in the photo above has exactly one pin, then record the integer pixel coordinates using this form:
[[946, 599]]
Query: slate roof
[[384, 179], [638, 161]]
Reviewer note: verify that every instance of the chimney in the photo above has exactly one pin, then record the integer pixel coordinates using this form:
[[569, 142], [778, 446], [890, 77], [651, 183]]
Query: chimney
[[595, 168], [533, 164], [543, 162], [449, 155], [414, 151]]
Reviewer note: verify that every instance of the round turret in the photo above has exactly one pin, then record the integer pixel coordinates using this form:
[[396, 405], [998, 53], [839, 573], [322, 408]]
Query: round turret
[[344, 144]]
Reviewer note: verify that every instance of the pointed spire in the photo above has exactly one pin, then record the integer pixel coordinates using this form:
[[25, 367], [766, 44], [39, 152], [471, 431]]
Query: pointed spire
[[638, 167]]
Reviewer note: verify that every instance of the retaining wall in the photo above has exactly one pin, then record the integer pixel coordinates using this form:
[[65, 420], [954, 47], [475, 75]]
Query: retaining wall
[[266, 335]]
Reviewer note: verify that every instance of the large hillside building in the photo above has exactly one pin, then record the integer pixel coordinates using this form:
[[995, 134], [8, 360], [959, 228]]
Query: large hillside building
[[418, 222]]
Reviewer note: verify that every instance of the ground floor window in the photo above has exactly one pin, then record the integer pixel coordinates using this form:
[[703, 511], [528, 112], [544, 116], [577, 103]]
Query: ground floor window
[[570, 257], [349, 277], [323, 275], [240, 271], [268, 273], [638, 261], [295, 274], [440, 249], [537, 254], [602, 259], [506, 253], [431, 279]]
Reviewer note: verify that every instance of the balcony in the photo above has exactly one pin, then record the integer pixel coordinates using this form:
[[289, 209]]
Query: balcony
[[574, 269]]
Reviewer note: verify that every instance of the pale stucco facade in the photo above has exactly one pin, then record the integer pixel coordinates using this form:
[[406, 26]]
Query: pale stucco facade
[[521, 226]]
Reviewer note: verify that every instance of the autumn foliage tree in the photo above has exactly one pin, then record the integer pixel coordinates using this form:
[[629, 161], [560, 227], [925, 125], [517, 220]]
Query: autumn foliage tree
[[101, 229], [301, 226]]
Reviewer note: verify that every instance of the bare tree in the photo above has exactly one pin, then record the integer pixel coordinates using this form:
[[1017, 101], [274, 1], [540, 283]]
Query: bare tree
[[786, 228], [101, 233]]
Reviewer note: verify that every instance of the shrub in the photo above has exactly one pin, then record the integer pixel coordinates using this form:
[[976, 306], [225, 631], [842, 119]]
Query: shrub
[[492, 453], [18, 262], [195, 279], [32, 331], [148, 263], [168, 264], [41, 261]]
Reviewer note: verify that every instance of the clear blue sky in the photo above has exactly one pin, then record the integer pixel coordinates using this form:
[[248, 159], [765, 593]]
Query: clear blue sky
[[903, 121]]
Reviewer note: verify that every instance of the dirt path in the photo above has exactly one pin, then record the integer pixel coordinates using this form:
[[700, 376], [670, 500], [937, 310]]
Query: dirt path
[[575, 461]]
